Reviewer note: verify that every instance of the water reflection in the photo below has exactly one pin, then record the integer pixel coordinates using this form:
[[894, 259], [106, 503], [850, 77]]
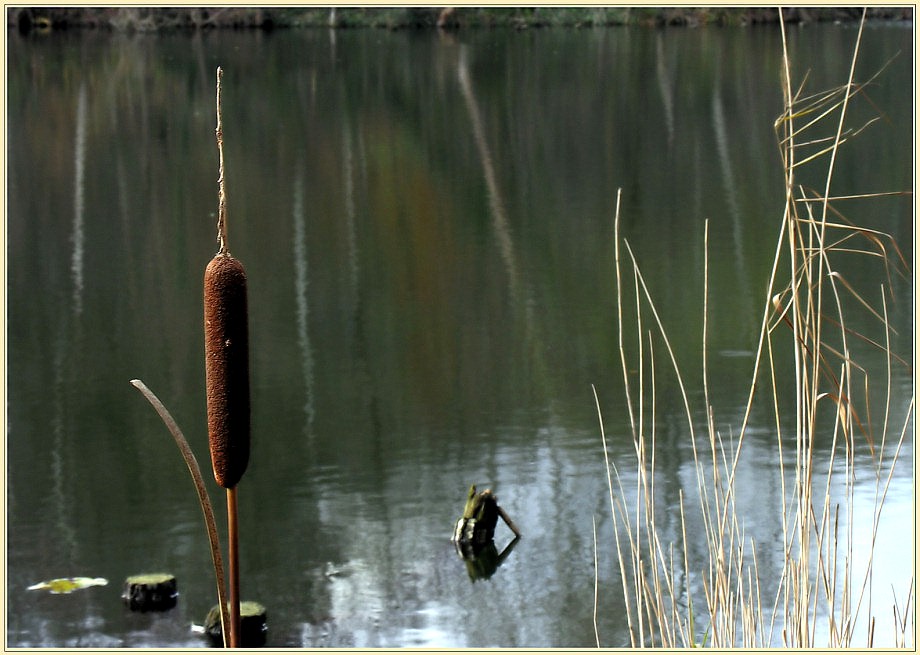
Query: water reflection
[[427, 228], [483, 561], [76, 264], [496, 203], [665, 79], [300, 284]]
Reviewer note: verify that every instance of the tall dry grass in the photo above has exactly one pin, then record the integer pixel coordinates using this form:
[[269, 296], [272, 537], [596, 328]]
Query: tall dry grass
[[821, 590]]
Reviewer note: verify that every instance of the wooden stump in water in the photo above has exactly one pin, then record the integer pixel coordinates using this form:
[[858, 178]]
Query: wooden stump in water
[[253, 625], [476, 527], [150, 591]]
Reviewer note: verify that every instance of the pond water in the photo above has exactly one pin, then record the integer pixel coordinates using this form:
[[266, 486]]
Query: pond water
[[427, 226]]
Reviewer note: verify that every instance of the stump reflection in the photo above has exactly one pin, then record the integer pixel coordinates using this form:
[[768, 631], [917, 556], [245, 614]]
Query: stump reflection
[[475, 532]]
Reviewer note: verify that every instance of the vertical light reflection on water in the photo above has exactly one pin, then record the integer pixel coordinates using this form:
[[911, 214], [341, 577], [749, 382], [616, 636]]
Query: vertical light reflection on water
[[665, 87], [303, 310], [522, 298], [356, 308], [66, 346], [725, 164], [355, 165], [63, 509], [204, 75], [124, 209], [500, 224], [76, 261], [730, 186], [350, 230]]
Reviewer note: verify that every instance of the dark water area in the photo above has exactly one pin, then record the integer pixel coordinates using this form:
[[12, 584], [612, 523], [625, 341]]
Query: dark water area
[[427, 226]]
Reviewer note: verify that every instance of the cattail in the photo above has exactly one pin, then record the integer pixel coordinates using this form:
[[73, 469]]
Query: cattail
[[226, 338]]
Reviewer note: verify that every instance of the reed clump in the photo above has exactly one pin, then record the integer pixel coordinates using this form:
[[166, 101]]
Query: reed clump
[[820, 596]]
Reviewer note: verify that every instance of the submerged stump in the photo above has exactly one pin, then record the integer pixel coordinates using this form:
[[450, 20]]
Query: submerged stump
[[253, 625], [150, 592], [476, 528]]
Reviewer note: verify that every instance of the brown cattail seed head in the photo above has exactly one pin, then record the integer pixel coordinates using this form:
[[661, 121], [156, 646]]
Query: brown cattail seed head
[[226, 342]]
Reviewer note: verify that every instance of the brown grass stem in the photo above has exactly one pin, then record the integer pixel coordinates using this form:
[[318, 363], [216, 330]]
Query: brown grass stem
[[203, 500], [233, 552]]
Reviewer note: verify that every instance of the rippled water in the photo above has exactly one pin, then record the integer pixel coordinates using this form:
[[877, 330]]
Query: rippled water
[[427, 226]]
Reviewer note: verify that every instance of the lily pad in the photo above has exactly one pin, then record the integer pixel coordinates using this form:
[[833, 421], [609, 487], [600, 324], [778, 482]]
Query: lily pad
[[67, 585]]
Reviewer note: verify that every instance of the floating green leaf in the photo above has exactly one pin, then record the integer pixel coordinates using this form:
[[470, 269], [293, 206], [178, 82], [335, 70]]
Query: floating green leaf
[[67, 585]]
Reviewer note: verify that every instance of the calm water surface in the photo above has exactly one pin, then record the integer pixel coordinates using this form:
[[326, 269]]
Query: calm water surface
[[427, 226]]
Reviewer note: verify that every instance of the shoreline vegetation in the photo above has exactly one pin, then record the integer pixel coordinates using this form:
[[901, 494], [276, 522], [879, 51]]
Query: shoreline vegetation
[[157, 19], [818, 589]]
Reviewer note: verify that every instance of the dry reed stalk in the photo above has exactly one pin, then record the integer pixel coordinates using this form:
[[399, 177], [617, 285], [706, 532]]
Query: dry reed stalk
[[597, 636], [817, 574]]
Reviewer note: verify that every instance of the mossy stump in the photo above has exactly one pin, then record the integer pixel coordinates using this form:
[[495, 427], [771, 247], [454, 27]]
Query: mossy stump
[[253, 625], [150, 592], [480, 515], [476, 527]]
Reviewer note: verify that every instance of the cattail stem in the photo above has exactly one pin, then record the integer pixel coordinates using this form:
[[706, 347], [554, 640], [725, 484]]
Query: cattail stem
[[223, 245], [227, 376], [234, 555]]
